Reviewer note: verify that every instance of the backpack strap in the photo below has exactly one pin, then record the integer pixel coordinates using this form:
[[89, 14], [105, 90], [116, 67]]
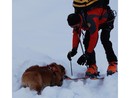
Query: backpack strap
[[84, 17]]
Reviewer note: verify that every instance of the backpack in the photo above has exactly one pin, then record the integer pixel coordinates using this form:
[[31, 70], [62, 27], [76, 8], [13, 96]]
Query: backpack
[[86, 5], [83, 3], [81, 6]]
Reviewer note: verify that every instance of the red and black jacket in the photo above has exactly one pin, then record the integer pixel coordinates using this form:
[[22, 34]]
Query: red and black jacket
[[95, 18]]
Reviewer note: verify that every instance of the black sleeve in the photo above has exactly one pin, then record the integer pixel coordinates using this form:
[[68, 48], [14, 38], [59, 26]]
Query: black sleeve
[[103, 2], [106, 2]]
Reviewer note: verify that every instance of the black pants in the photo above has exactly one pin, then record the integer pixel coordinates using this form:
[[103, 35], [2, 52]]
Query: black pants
[[91, 56], [105, 37], [107, 44]]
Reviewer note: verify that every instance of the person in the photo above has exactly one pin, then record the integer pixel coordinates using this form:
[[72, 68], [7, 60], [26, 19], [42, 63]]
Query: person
[[91, 20]]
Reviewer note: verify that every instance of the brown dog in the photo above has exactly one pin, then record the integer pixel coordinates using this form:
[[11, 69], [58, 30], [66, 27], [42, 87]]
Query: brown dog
[[38, 77]]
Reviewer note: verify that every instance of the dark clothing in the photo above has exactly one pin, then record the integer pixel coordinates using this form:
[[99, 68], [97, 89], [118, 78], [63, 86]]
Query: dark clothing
[[107, 44], [91, 56], [95, 18], [99, 18], [84, 6]]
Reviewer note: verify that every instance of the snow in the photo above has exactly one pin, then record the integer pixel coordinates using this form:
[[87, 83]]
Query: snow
[[69, 89], [41, 36]]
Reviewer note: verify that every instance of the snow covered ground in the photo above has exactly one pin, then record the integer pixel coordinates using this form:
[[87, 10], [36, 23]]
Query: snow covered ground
[[41, 36], [69, 89]]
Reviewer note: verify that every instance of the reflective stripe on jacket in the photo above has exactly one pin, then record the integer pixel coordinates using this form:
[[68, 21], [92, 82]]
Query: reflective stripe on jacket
[[83, 3]]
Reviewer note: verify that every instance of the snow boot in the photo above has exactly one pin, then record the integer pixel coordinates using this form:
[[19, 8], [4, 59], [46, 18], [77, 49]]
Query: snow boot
[[112, 68], [92, 71]]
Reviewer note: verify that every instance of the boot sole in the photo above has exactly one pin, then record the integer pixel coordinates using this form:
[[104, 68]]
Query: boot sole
[[110, 73]]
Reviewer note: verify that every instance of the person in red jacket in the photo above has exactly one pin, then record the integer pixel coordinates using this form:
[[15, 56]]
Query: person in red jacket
[[93, 20]]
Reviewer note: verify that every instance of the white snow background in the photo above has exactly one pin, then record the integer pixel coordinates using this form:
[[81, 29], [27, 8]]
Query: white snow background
[[41, 36]]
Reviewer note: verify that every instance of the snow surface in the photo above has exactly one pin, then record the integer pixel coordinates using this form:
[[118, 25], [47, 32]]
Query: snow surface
[[107, 88], [41, 36]]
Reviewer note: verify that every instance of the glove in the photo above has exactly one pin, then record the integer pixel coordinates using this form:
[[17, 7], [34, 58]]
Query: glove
[[71, 53], [82, 59]]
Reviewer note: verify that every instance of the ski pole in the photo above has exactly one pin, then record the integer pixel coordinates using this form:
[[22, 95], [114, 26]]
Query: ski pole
[[81, 44], [71, 68], [81, 47]]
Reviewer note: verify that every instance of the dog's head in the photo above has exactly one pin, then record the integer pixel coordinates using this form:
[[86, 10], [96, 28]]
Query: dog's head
[[59, 72]]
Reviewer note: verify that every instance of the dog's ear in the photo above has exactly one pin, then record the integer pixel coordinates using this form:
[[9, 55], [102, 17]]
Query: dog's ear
[[62, 69], [53, 66], [57, 67]]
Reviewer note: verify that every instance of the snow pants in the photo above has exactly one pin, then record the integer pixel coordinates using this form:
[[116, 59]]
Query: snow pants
[[105, 40]]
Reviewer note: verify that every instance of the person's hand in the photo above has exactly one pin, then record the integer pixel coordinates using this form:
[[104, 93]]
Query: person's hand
[[82, 59], [71, 53]]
